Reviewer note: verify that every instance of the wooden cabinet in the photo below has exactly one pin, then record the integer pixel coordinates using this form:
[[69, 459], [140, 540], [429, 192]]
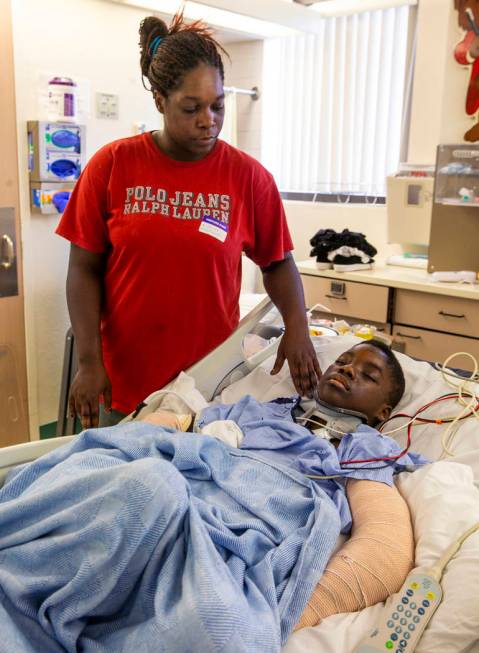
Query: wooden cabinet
[[356, 302], [437, 312], [433, 327], [425, 325], [435, 346], [13, 370]]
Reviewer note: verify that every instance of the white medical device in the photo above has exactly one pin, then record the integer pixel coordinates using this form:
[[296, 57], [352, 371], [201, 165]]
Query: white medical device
[[329, 421], [406, 617]]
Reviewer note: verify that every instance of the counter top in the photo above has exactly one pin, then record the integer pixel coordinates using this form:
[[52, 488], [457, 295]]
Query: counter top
[[395, 277]]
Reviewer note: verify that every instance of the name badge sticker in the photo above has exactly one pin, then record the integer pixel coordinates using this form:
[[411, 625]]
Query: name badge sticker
[[213, 227]]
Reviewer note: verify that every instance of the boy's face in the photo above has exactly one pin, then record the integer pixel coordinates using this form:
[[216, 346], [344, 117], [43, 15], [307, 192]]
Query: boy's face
[[359, 380]]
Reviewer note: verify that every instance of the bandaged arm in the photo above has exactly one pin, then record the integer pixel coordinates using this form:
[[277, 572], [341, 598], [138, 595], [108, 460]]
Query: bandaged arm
[[374, 562]]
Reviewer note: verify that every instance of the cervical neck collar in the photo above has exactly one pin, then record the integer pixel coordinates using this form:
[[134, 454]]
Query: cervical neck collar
[[336, 421]]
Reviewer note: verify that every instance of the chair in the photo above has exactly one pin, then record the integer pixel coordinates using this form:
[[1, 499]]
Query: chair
[[67, 425]]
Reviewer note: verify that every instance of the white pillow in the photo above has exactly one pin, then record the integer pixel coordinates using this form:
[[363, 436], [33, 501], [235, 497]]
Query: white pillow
[[443, 503]]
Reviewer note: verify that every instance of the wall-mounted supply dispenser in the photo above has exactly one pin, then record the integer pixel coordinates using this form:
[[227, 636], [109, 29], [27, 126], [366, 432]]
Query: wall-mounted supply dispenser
[[62, 99], [48, 197], [56, 157], [409, 204]]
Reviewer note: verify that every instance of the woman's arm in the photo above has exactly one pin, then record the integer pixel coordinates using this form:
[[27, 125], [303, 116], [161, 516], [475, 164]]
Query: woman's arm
[[84, 292], [283, 284], [374, 562]]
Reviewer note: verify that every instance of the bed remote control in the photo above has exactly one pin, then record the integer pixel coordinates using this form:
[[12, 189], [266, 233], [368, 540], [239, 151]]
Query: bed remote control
[[407, 616]]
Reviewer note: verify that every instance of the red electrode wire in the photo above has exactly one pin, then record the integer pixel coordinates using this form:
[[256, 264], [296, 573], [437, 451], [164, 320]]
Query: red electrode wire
[[414, 419]]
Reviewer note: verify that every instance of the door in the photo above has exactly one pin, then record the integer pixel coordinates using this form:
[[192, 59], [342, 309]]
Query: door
[[13, 376]]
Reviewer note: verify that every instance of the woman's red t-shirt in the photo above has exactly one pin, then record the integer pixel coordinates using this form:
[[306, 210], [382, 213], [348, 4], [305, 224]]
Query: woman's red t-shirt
[[173, 233]]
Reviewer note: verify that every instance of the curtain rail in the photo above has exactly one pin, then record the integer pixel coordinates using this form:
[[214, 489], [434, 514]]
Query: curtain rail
[[254, 92]]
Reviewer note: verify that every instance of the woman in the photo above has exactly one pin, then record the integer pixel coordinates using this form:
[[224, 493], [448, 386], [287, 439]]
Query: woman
[[157, 224]]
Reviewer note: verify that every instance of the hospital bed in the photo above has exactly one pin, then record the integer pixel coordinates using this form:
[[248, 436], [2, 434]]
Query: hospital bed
[[443, 498]]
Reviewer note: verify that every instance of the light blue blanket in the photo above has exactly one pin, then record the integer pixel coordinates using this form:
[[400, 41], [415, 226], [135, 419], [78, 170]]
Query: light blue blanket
[[138, 539]]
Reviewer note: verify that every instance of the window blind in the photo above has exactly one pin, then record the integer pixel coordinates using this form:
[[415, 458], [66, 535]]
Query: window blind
[[334, 104]]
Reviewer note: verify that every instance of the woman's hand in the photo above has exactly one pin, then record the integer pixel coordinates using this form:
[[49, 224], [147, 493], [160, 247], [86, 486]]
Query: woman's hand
[[89, 383], [283, 284], [296, 347]]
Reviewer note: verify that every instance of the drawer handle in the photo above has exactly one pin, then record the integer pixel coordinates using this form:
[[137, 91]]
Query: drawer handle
[[451, 314], [335, 297], [406, 335]]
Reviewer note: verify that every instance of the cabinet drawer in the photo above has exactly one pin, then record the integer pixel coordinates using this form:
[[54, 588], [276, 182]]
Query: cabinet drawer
[[450, 314], [434, 346], [360, 300]]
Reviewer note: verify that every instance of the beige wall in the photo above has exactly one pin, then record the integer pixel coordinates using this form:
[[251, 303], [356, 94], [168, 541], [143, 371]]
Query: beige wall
[[245, 71], [305, 218], [439, 92]]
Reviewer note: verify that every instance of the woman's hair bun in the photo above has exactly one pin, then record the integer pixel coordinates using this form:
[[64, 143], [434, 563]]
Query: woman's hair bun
[[169, 52], [150, 28]]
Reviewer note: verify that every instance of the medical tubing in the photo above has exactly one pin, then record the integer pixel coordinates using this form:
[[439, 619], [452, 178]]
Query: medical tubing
[[409, 430], [462, 388], [437, 569], [409, 425], [447, 372]]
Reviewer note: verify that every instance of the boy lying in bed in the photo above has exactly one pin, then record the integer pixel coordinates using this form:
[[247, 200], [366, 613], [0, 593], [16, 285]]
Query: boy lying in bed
[[380, 553], [376, 559], [139, 538]]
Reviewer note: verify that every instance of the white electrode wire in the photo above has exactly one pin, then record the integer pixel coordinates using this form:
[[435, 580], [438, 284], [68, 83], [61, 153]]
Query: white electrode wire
[[462, 389], [440, 368]]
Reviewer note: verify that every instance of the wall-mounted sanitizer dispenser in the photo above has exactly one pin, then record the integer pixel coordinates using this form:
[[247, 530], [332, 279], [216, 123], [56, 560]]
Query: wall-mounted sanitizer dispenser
[[56, 157]]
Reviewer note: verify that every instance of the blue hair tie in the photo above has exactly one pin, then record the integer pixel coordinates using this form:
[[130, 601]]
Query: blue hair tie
[[154, 45]]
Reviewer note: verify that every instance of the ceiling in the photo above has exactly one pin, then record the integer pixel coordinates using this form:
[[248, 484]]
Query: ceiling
[[240, 20], [233, 21]]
